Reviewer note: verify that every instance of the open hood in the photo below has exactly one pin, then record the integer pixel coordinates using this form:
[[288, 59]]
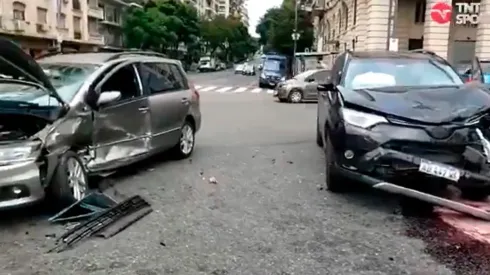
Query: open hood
[[17, 65], [429, 104]]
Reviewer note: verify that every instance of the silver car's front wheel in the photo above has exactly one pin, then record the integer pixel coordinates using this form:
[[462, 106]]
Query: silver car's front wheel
[[77, 179], [295, 96]]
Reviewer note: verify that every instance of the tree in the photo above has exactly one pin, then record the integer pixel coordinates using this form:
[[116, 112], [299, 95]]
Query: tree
[[161, 25], [227, 38], [276, 27]]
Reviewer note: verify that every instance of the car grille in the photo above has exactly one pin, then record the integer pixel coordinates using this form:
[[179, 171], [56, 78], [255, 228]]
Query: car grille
[[439, 153]]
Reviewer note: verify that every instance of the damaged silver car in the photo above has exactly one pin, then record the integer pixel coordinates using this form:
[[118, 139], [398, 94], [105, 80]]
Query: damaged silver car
[[68, 116]]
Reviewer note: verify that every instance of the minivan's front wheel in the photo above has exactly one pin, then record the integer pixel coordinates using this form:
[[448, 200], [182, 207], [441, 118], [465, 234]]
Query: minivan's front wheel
[[184, 148], [70, 181]]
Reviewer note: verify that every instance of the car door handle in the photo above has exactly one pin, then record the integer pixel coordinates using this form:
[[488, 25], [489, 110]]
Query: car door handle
[[184, 101], [143, 109]]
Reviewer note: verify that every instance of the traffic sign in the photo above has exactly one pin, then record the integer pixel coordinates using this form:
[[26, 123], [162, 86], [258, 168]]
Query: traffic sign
[[295, 35]]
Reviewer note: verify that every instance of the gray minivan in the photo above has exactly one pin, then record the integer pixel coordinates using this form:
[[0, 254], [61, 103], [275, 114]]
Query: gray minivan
[[67, 116]]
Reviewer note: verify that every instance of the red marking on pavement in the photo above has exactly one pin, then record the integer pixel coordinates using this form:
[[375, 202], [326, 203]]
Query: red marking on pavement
[[441, 12], [472, 227]]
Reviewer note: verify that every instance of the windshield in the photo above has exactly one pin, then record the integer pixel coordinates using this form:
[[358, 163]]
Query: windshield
[[274, 65], [376, 73], [67, 79], [303, 75]]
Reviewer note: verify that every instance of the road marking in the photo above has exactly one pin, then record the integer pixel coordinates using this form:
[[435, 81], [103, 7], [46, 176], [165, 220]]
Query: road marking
[[223, 90], [256, 90], [198, 87], [240, 90], [270, 91], [207, 89]]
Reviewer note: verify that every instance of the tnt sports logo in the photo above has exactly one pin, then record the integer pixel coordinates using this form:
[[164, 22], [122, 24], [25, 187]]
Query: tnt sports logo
[[466, 13]]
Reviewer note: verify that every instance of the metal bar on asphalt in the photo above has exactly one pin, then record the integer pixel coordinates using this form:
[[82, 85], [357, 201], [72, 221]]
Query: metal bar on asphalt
[[207, 89], [240, 90], [223, 90], [435, 200]]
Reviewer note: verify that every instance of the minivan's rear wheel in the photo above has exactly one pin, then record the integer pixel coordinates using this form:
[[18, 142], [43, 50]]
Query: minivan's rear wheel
[[295, 96], [184, 148], [70, 181]]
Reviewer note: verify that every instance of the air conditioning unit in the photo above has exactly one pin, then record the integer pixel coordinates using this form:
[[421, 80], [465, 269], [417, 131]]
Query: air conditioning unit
[[42, 27], [18, 25]]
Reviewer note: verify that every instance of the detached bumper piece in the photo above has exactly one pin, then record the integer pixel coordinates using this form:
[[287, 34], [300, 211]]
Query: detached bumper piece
[[106, 224], [434, 200]]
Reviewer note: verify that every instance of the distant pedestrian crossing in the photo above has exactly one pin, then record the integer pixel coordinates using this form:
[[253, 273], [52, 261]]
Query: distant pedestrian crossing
[[233, 90]]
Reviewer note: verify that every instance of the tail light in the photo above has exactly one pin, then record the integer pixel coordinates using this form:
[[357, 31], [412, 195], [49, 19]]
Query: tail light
[[469, 80], [195, 93]]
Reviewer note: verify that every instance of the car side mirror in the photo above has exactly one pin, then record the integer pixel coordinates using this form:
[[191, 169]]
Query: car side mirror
[[325, 87], [108, 97]]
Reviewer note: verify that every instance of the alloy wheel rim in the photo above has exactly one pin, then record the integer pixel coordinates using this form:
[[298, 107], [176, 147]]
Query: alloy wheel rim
[[76, 179], [186, 139], [295, 97]]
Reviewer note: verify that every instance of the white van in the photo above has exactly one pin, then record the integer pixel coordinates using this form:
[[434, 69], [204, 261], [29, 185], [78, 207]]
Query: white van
[[206, 64]]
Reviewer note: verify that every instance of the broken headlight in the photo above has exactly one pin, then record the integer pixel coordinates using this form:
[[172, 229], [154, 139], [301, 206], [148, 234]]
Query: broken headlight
[[361, 119], [15, 154]]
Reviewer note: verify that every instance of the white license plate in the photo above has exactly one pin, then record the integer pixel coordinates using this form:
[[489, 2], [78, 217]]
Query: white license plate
[[439, 170]]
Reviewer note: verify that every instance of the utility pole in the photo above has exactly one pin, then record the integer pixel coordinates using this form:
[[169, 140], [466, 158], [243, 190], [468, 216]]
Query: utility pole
[[295, 34]]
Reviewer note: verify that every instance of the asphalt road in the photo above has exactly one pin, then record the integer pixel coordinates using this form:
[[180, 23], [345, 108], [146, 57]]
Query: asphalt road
[[265, 215]]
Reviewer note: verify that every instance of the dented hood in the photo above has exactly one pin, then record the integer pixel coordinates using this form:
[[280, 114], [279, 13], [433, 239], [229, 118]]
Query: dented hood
[[425, 104], [15, 64]]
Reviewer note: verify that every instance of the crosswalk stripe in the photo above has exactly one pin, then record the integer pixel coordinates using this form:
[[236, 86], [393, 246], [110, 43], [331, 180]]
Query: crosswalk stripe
[[270, 91], [198, 87], [223, 90], [240, 90], [256, 90], [207, 89]]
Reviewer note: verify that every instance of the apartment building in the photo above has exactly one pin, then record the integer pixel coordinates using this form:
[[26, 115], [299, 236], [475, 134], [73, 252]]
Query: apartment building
[[78, 24], [224, 8], [367, 25], [243, 12]]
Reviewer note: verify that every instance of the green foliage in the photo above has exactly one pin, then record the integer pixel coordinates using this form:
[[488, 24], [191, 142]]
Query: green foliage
[[277, 25], [161, 25], [228, 38]]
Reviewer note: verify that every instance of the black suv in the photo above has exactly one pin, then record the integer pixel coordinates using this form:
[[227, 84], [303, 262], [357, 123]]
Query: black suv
[[404, 118]]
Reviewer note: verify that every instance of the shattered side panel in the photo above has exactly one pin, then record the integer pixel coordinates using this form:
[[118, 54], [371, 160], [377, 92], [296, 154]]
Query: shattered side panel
[[121, 134], [73, 131]]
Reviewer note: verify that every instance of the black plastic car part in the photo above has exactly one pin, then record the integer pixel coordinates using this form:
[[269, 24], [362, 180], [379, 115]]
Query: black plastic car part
[[100, 222]]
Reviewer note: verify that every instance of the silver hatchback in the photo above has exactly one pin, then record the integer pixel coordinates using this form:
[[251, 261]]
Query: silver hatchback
[[67, 116], [302, 87]]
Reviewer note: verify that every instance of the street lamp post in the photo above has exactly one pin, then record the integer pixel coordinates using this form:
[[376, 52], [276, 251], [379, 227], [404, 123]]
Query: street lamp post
[[295, 34]]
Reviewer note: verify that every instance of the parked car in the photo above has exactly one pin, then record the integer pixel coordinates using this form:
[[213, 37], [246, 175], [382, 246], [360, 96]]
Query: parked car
[[302, 87], [239, 68], [479, 71], [249, 69], [406, 119], [68, 116]]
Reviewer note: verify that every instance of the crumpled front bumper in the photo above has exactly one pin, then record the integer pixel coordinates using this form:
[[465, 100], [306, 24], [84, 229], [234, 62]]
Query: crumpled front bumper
[[373, 153], [20, 184]]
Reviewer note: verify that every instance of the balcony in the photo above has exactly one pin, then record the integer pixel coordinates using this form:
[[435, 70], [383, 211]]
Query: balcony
[[96, 38], [19, 26], [95, 12]]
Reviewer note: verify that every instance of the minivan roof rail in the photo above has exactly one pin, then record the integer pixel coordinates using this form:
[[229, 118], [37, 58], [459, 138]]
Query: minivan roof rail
[[115, 55]]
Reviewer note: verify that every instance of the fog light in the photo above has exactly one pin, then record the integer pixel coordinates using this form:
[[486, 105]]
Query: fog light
[[349, 154], [16, 190]]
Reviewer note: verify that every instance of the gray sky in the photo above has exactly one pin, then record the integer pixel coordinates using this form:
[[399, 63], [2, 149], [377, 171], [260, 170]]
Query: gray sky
[[257, 8]]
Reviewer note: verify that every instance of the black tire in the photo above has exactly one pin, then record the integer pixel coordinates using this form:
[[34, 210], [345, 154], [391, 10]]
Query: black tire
[[261, 85], [319, 140], [59, 192], [177, 151], [333, 181], [282, 100], [475, 194], [292, 97]]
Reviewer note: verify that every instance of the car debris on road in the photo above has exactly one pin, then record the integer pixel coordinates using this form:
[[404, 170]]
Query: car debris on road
[[105, 223]]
